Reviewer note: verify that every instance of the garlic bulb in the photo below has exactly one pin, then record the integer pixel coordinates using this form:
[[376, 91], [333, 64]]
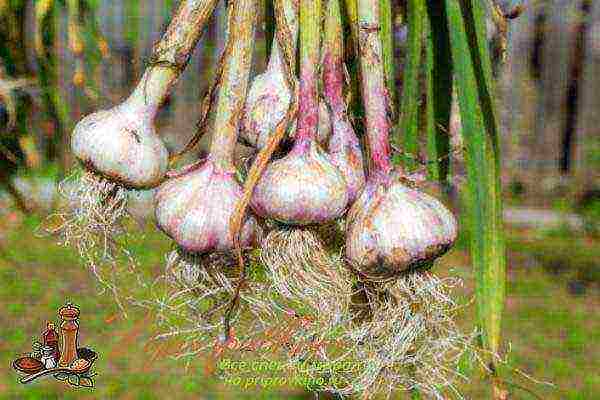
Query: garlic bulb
[[393, 227], [121, 143], [302, 188], [195, 209], [269, 95]]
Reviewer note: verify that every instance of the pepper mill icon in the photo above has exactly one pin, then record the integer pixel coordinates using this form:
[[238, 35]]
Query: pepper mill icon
[[69, 330]]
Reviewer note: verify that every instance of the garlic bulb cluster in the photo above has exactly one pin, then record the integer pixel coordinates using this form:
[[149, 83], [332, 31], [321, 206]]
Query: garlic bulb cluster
[[121, 143], [194, 210], [392, 228]]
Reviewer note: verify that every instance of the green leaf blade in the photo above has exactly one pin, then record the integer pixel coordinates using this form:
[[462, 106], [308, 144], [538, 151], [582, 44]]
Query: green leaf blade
[[472, 68]]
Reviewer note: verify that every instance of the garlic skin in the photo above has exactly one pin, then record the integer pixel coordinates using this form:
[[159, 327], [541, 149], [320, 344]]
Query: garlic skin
[[392, 228], [195, 210], [302, 188], [121, 143]]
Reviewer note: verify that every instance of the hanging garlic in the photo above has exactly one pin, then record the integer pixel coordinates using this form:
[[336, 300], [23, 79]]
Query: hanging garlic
[[121, 144], [304, 187], [392, 227], [269, 96], [194, 208]]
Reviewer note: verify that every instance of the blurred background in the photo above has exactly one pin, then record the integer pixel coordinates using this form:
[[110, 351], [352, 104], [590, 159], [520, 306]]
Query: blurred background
[[61, 59]]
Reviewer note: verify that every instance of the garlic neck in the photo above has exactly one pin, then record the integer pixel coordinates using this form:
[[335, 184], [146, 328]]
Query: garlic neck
[[276, 60], [152, 90]]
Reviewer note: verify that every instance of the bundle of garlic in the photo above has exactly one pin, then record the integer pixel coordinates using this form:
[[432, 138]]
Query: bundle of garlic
[[373, 295]]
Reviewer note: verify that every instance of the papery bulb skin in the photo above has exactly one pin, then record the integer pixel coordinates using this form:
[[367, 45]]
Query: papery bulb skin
[[346, 154], [303, 188], [266, 105], [121, 144], [195, 210], [392, 228]]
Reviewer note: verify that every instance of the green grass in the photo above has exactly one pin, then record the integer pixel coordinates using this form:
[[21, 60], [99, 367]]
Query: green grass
[[554, 336]]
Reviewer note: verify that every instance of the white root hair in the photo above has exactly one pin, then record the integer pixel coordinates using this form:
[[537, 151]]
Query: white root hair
[[91, 221]]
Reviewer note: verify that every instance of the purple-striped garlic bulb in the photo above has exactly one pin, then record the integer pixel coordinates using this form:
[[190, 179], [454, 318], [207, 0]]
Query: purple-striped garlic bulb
[[269, 96], [392, 227], [344, 146], [303, 188], [195, 207]]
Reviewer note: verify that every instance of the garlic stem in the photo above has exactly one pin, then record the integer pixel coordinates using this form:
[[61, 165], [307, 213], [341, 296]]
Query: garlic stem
[[333, 59], [308, 111], [152, 90], [178, 42], [290, 10], [374, 91], [234, 83], [171, 54]]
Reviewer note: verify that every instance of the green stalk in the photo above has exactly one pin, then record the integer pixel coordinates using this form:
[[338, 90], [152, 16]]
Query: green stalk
[[387, 41], [310, 44], [439, 91], [481, 134], [409, 111], [234, 82]]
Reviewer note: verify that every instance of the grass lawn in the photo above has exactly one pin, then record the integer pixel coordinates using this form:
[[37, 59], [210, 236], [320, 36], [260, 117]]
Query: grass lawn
[[553, 334]]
